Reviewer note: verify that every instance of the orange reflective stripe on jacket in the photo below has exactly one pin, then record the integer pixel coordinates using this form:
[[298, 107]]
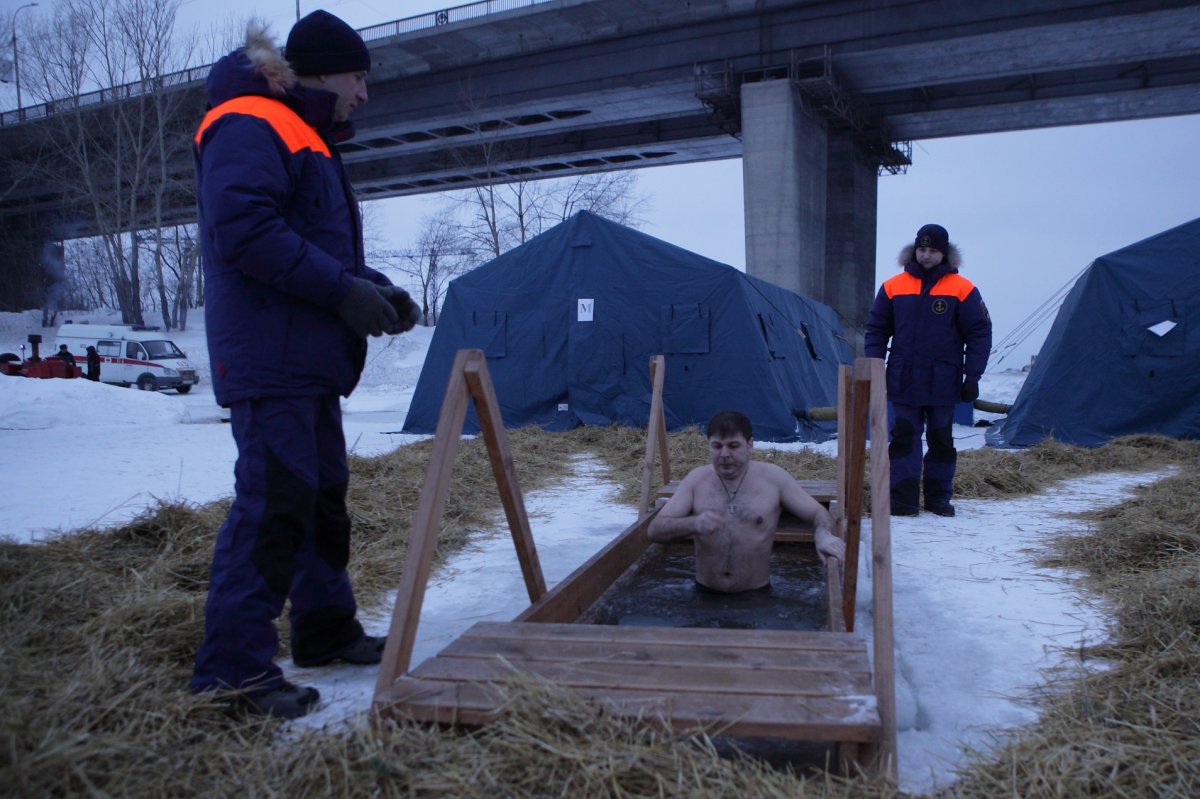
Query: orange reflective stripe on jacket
[[296, 135], [954, 285]]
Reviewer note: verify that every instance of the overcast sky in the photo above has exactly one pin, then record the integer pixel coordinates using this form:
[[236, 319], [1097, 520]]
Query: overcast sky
[[1029, 210]]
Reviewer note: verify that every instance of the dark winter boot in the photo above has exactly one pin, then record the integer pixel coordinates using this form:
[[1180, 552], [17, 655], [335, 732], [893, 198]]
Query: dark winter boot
[[288, 701], [906, 498], [937, 496], [365, 651], [941, 509]]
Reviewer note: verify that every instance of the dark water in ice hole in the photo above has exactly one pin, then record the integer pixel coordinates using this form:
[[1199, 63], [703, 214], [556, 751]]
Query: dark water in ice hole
[[660, 591]]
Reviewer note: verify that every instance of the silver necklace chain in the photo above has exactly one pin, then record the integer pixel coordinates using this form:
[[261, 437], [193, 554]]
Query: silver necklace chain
[[731, 505]]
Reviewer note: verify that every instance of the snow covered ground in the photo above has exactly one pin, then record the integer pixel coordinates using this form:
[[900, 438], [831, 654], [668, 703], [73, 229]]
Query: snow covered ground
[[976, 622]]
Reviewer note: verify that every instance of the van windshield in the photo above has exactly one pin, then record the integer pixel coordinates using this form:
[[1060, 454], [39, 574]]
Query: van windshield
[[162, 349]]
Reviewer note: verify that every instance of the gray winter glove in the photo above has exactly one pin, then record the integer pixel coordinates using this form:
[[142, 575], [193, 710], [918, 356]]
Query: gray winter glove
[[366, 310], [408, 311]]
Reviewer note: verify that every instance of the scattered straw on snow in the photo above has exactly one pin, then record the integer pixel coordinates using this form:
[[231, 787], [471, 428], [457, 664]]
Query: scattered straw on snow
[[98, 630]]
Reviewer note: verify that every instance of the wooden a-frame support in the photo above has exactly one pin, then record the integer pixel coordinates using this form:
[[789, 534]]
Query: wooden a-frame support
[[469, 380]]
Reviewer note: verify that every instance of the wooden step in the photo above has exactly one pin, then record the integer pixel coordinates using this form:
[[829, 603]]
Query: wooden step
[[751, 683]]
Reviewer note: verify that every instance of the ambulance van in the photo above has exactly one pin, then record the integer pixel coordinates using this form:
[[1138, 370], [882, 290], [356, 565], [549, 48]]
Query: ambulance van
[[131, 355]]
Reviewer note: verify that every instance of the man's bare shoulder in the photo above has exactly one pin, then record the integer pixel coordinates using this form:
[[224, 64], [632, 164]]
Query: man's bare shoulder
[[696, 475], [780, 477], [773, 472]]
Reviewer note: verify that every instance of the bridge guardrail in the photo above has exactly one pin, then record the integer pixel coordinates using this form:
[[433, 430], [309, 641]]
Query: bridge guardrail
[[371, 33], [446, 16]]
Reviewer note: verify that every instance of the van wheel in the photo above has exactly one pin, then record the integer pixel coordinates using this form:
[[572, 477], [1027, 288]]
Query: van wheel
[[147, 383], [183, 389]]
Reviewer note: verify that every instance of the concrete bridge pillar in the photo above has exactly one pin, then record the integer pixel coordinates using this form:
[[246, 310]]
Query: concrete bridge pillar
[[785, 157], [851, 206], [810, 204]]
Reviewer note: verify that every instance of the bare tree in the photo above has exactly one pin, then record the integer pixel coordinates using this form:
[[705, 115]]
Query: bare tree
[[481, 223], [505, 215], [186, 269], [502, 215], [150, 24], [89, 274], [440, 254], [116, 155], [16, 172], [172, 255], [612, 195], [508, 210]]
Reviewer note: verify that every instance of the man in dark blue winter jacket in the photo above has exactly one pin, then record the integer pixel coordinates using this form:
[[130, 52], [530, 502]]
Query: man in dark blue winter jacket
[[940, 335], [289, 301]]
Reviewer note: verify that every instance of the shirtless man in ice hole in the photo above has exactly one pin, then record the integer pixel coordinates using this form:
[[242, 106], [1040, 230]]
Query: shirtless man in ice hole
[[732, 507]]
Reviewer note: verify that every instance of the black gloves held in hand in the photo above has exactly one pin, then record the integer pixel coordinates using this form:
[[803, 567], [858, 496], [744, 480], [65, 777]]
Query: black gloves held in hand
[[366, 310], [970, 390], [409, 312]]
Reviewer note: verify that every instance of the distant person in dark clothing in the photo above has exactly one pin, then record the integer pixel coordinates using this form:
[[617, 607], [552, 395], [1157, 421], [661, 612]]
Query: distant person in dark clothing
[[68, 359], [93, 364], [940, 335]]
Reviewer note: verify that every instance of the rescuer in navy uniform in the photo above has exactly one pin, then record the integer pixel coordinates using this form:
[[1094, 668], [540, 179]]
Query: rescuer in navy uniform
[[940, 335], [289, 302], [93, 364], [68, 360]]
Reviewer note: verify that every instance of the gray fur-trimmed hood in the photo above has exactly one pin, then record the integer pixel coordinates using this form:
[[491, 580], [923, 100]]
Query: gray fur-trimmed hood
[[259, 69], [267, 58], [953, 255], [256, 68]]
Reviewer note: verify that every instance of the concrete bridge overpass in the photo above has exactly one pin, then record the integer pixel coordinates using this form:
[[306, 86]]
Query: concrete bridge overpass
[[816, 97]]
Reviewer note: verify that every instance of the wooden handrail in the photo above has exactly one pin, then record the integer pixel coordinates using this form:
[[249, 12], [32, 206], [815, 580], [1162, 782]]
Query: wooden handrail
[[881, 559], [858, 399]]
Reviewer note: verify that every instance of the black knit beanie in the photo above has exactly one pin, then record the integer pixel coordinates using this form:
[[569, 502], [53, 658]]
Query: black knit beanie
[[934, 236], [321, 44]]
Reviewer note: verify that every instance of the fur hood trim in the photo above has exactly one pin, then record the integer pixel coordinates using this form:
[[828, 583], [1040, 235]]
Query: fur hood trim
[[264, 54], [908, 255]]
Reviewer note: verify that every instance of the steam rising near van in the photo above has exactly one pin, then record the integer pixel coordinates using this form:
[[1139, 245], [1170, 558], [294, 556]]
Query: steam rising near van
[[132, 355]]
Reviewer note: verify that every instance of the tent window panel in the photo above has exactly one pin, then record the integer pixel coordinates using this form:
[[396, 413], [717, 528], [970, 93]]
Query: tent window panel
[[1154, 327], [684, 329], [808, 342], [767, 325], [487, 331]]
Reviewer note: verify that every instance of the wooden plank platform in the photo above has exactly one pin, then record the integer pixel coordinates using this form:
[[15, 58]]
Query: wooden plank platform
[[750, 683]]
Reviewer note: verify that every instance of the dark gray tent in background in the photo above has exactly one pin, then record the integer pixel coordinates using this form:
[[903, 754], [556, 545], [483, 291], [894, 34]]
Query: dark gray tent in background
[[570, 319], [1123, 356]]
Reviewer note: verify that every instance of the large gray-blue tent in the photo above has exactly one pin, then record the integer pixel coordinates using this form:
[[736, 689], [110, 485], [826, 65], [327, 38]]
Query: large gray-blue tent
[[570, 319], [1123, 355]]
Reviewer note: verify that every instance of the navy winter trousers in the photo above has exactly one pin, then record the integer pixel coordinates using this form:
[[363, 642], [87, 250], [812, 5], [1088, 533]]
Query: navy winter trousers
[[287, 537], [937, 422]]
